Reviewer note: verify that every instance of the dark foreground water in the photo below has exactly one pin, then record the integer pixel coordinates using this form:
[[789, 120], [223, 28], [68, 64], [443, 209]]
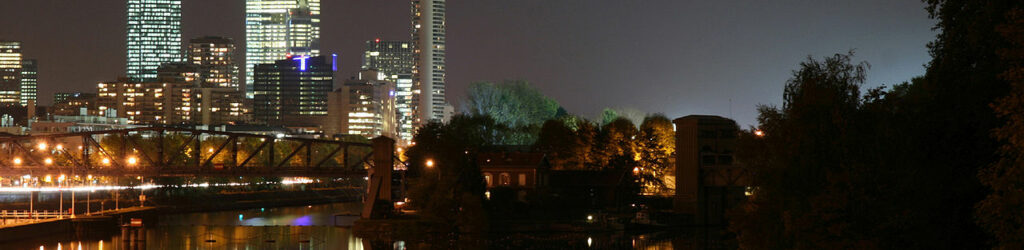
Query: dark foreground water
[[314, 227]]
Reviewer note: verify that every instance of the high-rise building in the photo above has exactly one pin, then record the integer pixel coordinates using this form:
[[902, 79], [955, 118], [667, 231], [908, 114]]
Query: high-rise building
[[394, 61], [363, 106], [389, 58], [153, 102], [29, 80], [211, 104], [428, 39], [277, 29], [293, 91], [10, 72], [154, 37], [215, 56]]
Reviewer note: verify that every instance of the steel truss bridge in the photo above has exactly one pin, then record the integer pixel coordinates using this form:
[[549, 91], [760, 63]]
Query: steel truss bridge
[[181, 152]]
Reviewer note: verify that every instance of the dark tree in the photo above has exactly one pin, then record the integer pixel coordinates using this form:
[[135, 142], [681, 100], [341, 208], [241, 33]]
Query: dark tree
[[1001, 213]]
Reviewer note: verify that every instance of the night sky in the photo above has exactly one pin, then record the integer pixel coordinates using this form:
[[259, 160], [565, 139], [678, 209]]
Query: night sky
[[665, 56]]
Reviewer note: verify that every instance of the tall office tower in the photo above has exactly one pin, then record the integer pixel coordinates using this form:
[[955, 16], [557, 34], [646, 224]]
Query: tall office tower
[[394, 61], [215, 57], [154, 36], [276, 29], [29, 80], [428, 39], [10, 72], [293, 91]]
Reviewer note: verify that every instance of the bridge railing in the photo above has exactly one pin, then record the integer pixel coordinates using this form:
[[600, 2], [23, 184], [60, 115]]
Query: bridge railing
[[33, 214], [178, 151]]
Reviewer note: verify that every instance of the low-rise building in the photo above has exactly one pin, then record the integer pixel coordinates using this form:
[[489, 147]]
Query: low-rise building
[[163, 102], [74, 104], [363, 106]]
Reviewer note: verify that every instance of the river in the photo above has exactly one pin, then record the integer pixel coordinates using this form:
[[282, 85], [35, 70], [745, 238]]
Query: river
[[314, 227]]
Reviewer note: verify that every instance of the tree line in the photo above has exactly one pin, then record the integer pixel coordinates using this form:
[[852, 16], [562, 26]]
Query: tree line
[[932, 163]]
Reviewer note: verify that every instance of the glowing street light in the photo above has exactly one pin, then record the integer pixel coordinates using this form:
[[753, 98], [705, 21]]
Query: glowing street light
[[209, 150], [133, 160], [759, 133], [430, 163], [42, 146], [16, 161], [59, 147], [105, 161], [48, 161]]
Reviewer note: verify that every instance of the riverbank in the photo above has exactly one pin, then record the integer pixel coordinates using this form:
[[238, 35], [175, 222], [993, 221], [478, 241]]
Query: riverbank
[[109, 221]]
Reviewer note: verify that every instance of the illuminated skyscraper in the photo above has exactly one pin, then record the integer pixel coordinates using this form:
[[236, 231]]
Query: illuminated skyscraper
[[275, 29], [10, 72], [29, 80], [215, 57], [154, 36], [394, 60], [293, 91], [428, 38]]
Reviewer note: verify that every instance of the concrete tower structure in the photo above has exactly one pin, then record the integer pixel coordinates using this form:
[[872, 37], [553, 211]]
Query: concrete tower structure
[[428, 38]]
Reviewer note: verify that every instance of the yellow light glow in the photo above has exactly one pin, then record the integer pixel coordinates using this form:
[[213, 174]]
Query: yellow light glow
[[106, 161], [48, 178], [16, 161], [48, 161], [133, 160], [430, 163], [42, 146], [60, 147], [759, 133], [209, 150], [62, 178]]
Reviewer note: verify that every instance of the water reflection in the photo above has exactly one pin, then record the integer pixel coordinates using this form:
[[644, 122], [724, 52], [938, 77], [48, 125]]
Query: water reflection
[[313, 227]]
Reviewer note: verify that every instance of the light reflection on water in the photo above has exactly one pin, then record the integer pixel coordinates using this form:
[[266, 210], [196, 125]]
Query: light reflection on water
[[312, 227]]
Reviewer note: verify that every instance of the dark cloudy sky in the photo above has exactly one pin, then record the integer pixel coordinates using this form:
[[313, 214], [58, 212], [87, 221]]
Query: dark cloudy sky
[[667, 56]]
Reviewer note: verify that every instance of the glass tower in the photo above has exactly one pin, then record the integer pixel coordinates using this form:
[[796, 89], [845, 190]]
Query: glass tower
[[293, 91], [277, 29], [10, 72], [394, 60], [428, 74], [29, 78], [154, 36]]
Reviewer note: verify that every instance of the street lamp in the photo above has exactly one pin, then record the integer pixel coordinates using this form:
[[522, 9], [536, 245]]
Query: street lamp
[[59, 147], [48, 161], [42, 146], [106, 161], [133, 160], [16, 161], [430, 163]]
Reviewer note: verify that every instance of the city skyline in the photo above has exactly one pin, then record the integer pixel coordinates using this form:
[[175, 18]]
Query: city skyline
[[690, 64]]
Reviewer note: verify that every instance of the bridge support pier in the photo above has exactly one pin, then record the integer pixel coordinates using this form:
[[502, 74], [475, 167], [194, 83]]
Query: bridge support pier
[[380, 176]]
